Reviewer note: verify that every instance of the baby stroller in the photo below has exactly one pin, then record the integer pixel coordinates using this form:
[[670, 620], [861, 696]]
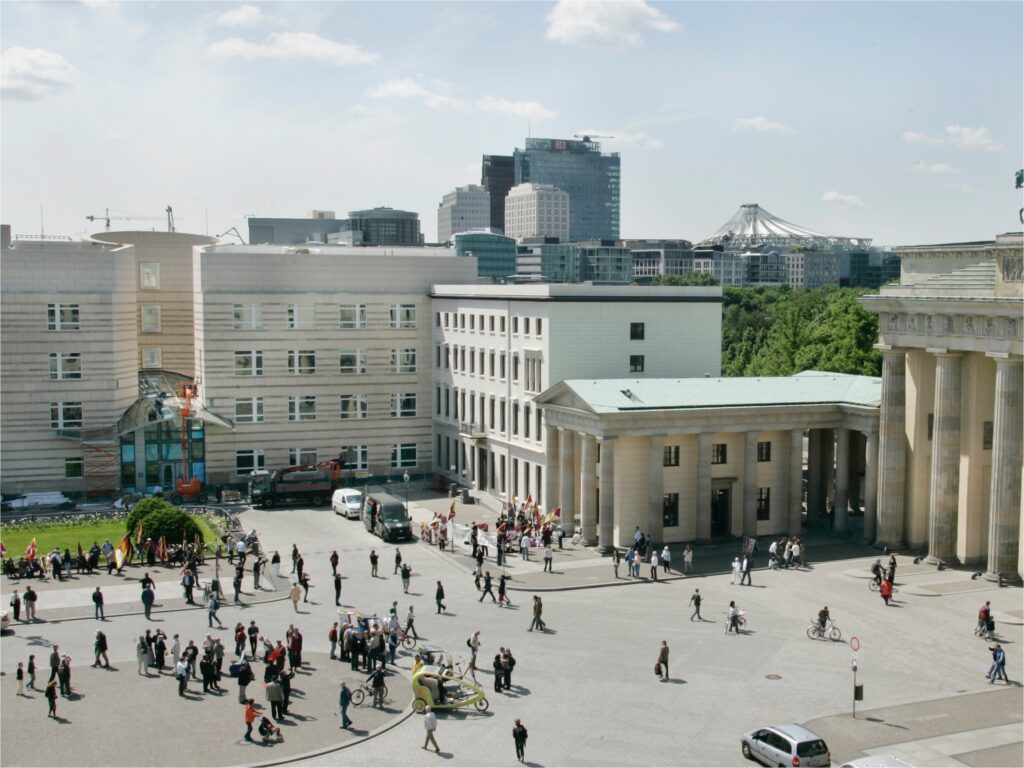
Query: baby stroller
[[270, 732]]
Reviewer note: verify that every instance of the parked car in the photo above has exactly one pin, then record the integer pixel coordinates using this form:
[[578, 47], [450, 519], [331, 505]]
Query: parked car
[[48, 500], [786, 745], [347, 502]]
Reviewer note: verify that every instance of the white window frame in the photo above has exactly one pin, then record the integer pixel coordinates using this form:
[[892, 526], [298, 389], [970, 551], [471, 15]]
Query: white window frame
[[403, 360], [247, 317], [150, 317], [55, 317], [65, 366], [149, 275], [152, 357], [62, 415], [360, 362], [259, 461], [301, 316], [301, 457], [299, 408], [255, 367], [357, 457], [249, 410], [353, 407], [400, 409], [302, 362], [402, 315], [400, 458], [359, 310]]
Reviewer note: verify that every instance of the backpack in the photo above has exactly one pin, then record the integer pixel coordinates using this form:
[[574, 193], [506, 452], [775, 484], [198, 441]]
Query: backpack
[[469, 643]]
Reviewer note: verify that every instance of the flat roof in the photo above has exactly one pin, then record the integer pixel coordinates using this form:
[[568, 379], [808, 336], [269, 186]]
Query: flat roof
[[376, 251], [579, 292]]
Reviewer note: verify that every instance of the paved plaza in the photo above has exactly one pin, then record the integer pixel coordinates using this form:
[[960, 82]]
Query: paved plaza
[[585, 689]]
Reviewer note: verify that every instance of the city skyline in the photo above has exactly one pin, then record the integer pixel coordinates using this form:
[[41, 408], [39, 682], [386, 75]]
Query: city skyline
[[857, 120]]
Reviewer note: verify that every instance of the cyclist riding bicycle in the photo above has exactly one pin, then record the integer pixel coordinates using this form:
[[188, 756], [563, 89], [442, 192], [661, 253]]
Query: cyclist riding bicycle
[[823, 617], [985, 616], [876, 569], [734, 617]]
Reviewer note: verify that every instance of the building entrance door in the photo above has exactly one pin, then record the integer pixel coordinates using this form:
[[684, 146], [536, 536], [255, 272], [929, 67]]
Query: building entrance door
[[481, 469], [721, 509]]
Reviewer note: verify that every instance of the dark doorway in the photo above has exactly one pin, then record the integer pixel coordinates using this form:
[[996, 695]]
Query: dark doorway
[[721, 509], [481, 464]]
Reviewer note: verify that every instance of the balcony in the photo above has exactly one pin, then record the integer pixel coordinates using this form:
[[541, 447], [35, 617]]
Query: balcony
[[472, 430]]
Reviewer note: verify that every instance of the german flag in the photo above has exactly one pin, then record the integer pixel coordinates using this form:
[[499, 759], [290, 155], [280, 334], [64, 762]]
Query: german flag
[[122, 552], [31, 549], [161, 549], [451, 512]]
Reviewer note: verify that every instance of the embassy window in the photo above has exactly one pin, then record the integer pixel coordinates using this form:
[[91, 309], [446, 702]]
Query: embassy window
[[302, 408], [719, 454], [636, 331], [764, 451], [65, 365], [249, 363], [352, 361], [301, 316], [764, 503], [354, 407], [65, 415], [403, 360], [636, 363], [247, 317], [150, 318], [671, 456], [403, 406], [149, 276], [62, 317], [249, 461], [403, 455], [403, 315], [300, 457], [352, 316], [670, 510], [152, 357], [302, 361], [74, 467], [356, 456], [248, 410], [986, 436], [540, 327]]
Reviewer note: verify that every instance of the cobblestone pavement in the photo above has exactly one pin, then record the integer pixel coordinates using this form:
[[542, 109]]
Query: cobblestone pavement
[[585, 689]]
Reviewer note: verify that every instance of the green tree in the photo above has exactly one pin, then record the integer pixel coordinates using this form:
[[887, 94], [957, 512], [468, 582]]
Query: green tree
[[700, 278], [667, 280], [171, 522], [141, 510]]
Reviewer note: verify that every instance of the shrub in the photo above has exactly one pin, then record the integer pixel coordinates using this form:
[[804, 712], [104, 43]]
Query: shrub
[[141, 510], [174, 524]]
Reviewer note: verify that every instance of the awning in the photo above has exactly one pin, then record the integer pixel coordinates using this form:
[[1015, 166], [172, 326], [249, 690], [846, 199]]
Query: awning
[[159, 402]]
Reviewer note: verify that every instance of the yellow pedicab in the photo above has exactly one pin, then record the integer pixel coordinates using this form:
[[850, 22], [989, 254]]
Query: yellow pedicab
[[442, 689]]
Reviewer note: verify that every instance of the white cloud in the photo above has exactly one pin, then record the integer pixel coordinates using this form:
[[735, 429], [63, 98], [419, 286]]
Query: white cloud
[[410, 88], [934, 168], [851, 201], [298, 46], [32, 73], [760, 124], [607, 24], [639, 140], [962, 136], [967, 189], [243, 16]]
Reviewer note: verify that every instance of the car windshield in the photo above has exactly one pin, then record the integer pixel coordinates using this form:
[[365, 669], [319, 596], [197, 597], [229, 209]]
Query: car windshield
[[811, 748], [394, 514], [352, 499]]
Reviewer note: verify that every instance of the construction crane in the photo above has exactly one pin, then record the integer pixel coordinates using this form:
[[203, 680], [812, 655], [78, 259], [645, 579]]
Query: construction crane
[[586, 138], [107, 218], [233, 231], [170, 219]]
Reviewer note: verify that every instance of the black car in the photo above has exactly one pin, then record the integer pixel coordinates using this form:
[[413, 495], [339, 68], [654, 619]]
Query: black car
[[386, 517]]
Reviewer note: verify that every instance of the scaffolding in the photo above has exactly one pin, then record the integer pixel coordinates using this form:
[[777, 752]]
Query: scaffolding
[[101, 460]]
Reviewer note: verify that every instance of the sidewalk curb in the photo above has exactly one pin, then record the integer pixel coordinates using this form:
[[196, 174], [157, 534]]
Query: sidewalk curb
[[196, 607]]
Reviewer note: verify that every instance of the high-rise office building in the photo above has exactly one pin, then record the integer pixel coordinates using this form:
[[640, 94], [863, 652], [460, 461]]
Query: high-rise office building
[[591, 178], [498, 176], [537, 210], [461, 210], [495, 254], [386, 226]]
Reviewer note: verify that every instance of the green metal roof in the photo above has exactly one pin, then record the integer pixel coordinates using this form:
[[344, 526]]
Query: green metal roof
[[807, 388]]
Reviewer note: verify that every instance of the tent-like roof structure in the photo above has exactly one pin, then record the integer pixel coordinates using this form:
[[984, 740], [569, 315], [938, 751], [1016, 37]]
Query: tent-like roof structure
[[754, 227]]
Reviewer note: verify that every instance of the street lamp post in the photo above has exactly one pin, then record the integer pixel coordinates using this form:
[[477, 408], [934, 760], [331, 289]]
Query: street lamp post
[[405, 479]]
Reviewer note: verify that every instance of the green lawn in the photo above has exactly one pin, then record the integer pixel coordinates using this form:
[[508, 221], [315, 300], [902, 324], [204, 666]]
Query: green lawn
[[68, 535]]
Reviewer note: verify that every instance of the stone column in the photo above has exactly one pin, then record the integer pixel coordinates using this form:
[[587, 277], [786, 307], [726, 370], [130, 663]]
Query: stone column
[[945, 477], [796, 481], [892, 449], [551, 472], [566, 467], [588, 489], [871, 487], [606, 523], [1004, 496], [704, 486], [750, 484], [655, 491], [470, 449], [815, 494], [856, 450], [842, 479], [828, 468]]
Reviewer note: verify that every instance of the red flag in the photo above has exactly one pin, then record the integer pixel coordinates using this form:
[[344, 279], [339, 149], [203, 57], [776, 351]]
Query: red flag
[[30, 551], [558, 512], [161, 549], [451, 512], [138, 534], [81, 552], [122, 551]]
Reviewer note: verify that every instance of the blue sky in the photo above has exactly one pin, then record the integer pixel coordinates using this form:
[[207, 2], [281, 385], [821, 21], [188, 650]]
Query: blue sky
[[897, 121]]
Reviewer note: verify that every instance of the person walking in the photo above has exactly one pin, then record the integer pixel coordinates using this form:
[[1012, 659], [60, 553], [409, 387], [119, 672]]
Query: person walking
[[734, 618], [30, 597], [695, 599], [487, 589], [275, 560], [538, 609], [188, 584], [31, 670], [374, 561], [430, 723], [332, 638], [97, 602], [16, 606], [295, 556], [663, 660], [687, 559], [548, 557], [666, 560], [181, 673], [344, 699], [378, 685], [886, 591], [148, 598], [410, 623], [735, 569], [508, 663], [439, 598], [20, 677], [616, 559], [654, 564], [498, 673], [253, 633], [211, 611], [337, 589], [142, 656], [257, 566], [503, 591], [99, 647], [998, 668], [51, 698], [519, 736], [524, 546], [304, 582], [748, 563], [473, 643], [398, 559], [294, 594], [334, 561], [250, 716], [406, 575], [275, 697]]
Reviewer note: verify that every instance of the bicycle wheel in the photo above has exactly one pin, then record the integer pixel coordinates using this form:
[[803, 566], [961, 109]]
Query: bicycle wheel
[[813, 632], [408, 642], [741, 622], [482, 705], [358, 696], [873, 585], [385, 691], [835, 634]]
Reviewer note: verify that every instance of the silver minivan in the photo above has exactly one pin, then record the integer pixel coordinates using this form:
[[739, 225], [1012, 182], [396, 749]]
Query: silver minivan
[[347, 502], [786, 745]]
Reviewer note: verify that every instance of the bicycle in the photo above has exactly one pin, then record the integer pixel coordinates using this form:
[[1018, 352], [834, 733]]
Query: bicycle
[[741, 622], [365, 689], [815, 631], [406, 640]]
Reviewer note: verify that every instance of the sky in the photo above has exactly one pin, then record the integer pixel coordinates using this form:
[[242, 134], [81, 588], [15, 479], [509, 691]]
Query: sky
[[896, 121]]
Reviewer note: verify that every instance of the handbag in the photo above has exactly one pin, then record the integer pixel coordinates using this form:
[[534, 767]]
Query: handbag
[[657, 668]]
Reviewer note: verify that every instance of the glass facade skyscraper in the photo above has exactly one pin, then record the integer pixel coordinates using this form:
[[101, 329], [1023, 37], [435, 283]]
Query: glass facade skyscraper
[[495, 254], [591, 178], [497, 176]]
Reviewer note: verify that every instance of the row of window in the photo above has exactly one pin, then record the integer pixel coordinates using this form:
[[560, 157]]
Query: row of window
[[249, 317], [486, 412], [357, 457], [461, 321], [249, 410], [303, 362]]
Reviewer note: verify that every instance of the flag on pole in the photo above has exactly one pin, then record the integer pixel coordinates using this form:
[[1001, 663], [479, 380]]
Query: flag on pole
[[451, 512], [81, 552], [558, 512], [122, 552], [138, 534], [161, 549], [3, 550], [30, 550], [529, 499]]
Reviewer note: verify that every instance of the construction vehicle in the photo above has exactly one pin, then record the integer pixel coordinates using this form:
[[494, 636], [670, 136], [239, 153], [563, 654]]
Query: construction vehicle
[[310, 483], [187, 489]]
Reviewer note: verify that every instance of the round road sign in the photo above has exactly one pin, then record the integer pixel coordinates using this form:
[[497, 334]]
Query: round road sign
[[855, 643]]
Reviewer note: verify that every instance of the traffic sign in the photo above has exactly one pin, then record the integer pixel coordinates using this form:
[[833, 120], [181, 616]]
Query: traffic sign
[[855, 643]]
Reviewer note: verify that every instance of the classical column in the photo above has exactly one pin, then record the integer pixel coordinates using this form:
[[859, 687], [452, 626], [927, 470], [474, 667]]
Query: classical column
[[1004, 495], [588, 489], [566, 470], [606, 513], [655, 490], [551, 472], [796, 481], [750, 484], [704, 486], [945, 480], [828, 468], [871, 487], [842, 479], [892, 449], [815, 496], [856, 450]]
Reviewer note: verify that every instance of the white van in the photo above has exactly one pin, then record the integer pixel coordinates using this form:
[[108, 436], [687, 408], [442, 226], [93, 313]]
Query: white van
[[347, 502]]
